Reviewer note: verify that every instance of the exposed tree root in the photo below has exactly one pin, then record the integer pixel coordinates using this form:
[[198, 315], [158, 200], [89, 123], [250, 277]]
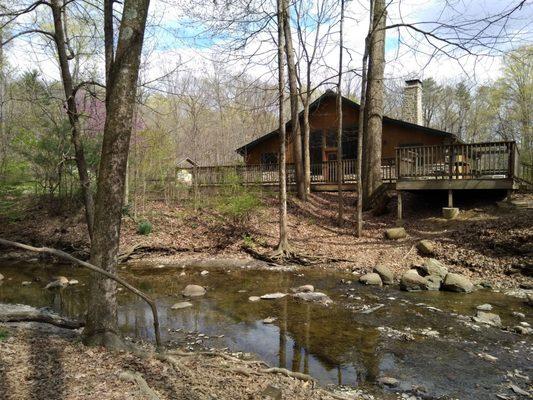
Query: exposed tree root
[[139, 249], [280, 257], [138, 379], [286, 372]]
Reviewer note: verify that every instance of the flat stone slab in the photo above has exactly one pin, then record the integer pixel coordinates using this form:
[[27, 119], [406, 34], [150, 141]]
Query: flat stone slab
[[193, 291], [273, 296], [181, 305]]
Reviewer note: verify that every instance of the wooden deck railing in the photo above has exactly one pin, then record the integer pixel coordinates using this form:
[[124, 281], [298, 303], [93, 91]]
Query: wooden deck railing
[[268, 174], [492, 160]]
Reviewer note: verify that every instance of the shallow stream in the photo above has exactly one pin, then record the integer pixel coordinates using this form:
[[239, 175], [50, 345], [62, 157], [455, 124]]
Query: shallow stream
[[423, 339]]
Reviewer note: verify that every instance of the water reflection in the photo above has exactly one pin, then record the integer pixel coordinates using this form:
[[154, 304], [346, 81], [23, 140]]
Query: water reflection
[[334, 344]]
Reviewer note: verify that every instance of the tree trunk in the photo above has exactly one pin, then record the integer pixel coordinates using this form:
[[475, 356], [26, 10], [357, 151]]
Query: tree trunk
[[360, 129], [293, 89], [283, 245], [306, 149], [72, 111], [373, 116], [101, 328], [340, 171]]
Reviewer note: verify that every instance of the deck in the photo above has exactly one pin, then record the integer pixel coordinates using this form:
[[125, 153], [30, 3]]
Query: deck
[[491, 165]]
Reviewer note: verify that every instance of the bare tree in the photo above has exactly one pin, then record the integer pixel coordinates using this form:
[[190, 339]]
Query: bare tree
[[373, 109], [294, 97], [64, 53], [340, 171], [283, 245], [102, 327]]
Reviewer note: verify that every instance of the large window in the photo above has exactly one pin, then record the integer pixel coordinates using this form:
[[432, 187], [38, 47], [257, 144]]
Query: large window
[[349, 144], [269, 158], [315, 146]]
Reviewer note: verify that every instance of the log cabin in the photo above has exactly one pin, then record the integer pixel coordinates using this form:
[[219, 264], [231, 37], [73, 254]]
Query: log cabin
[[414, 157], [397, 133]]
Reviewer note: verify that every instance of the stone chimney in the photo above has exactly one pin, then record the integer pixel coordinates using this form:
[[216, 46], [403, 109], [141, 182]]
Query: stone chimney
[[412, 102]]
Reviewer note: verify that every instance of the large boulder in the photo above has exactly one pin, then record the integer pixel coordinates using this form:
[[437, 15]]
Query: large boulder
[[487, 318], [411, 281], [193, 291], [371, 279], [433, 267], [426, 247], [434, 282], [457, 283], [385, 273], [395, 233]]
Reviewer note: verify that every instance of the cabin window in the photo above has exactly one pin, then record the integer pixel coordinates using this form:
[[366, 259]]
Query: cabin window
[[331, 138], [269, 158], [349, 144], [315, 146]]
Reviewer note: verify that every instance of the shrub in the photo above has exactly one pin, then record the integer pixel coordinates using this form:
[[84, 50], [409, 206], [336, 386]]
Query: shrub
[[3, 335], [144, 228], [237, 202]]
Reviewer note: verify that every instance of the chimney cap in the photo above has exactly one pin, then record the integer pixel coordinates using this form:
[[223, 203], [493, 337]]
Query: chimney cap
[[412, 82]]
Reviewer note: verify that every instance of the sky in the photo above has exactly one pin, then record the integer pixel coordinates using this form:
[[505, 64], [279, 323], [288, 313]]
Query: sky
[[178, 37]]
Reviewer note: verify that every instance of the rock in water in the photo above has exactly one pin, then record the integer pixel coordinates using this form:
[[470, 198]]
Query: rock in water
[[180, 305], [193, 291], [387, 277], [1, 277], [457, 283], [388, 381], [26, 283], [55, 285], [395, 233], [254, 298], [273, 296], [484, 307], [434, 267], [434, 282], [62, 280], [269, 320], [487, 318], [426, 247], [304, 289], [317, 297], [204, 272], [411, 281], [73, 282], [371, 279]]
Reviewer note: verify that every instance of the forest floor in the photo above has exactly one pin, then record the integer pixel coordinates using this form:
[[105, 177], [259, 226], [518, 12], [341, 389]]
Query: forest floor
[[39, 361], [487, 242]]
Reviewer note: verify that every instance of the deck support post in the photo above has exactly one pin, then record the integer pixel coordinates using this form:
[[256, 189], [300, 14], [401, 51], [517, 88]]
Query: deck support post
[[450, 198], [400, 206]]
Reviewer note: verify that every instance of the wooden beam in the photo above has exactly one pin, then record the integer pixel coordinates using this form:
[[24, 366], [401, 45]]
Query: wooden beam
[[400, 206], [450, 198]]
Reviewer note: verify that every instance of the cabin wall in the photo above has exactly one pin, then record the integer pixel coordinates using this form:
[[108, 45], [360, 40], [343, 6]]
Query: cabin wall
[[324, 117]]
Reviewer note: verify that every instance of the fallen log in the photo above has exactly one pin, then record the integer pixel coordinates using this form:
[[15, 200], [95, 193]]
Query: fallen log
[[25, 313]]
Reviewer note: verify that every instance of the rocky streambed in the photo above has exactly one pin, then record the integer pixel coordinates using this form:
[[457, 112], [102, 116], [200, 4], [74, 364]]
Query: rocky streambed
[[379, 339]]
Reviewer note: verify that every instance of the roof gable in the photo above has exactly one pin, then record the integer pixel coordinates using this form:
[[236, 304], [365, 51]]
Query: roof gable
[[329, 95]]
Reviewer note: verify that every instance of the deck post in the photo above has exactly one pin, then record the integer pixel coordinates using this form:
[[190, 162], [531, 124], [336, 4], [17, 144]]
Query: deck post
[[450, 198], [399, 219]]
